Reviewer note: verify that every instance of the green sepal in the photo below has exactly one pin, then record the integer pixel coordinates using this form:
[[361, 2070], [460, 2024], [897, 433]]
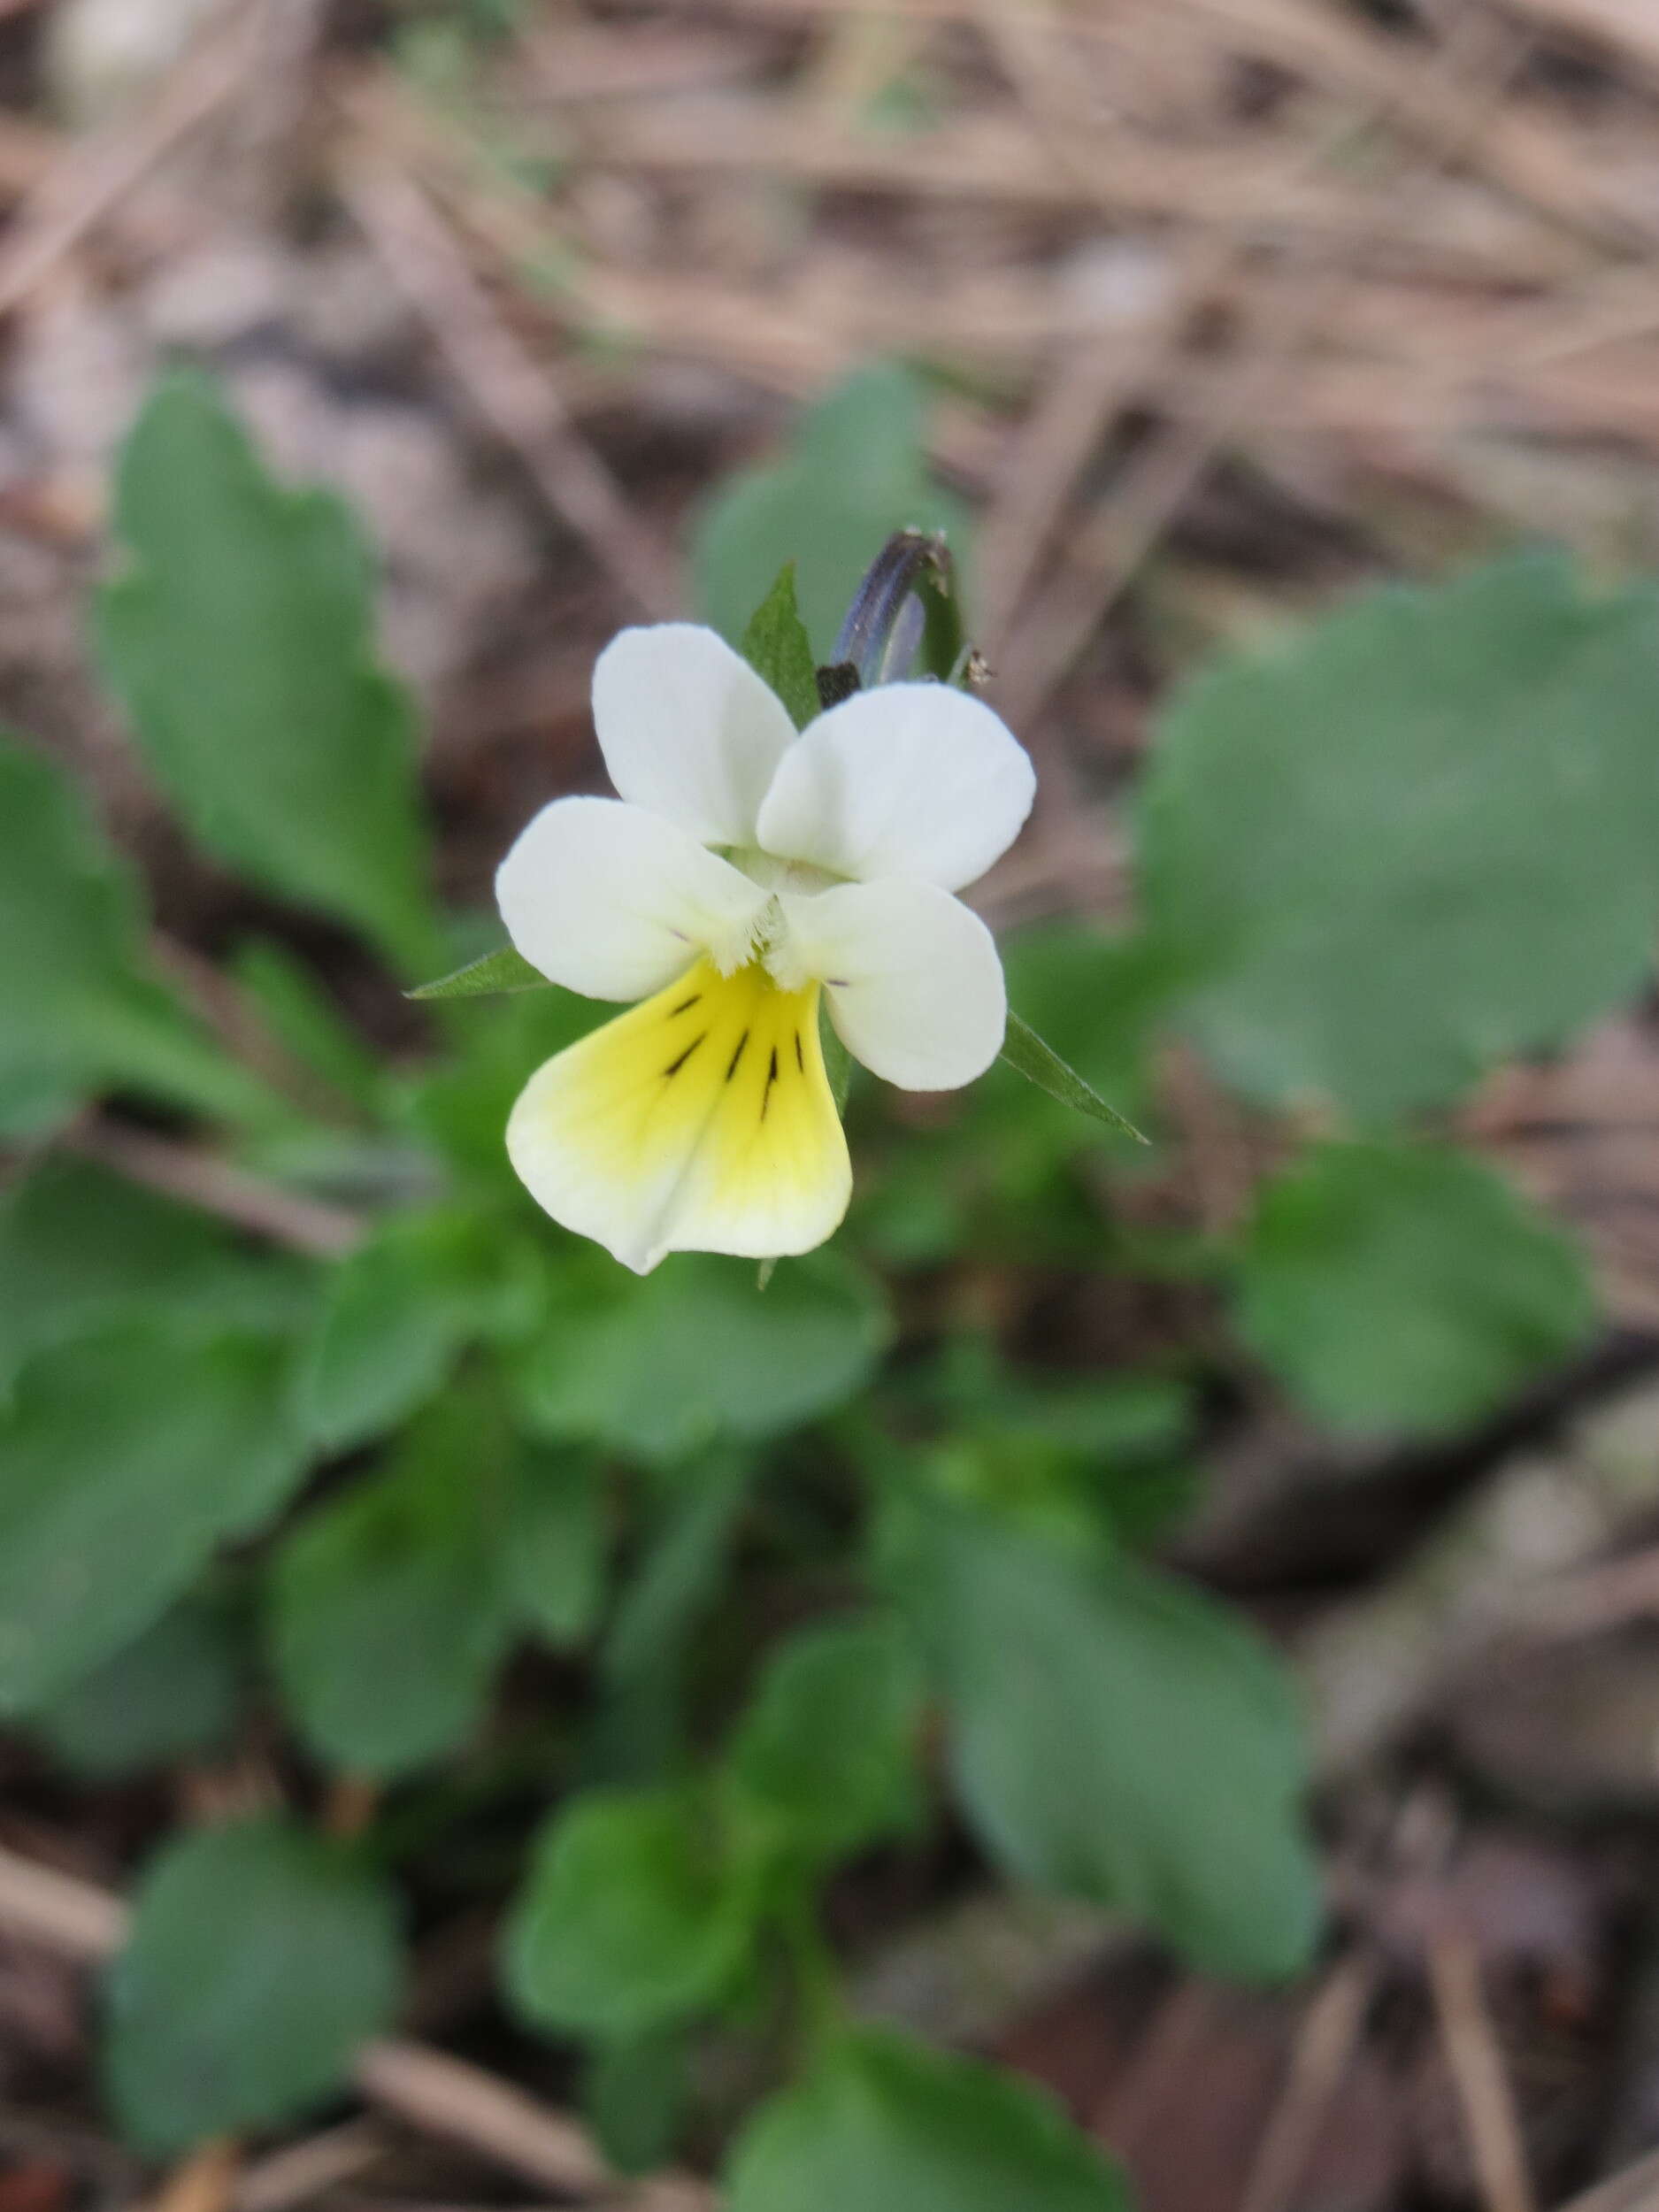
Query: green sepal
[[491, 974], [777, 648], [1041, 1064]]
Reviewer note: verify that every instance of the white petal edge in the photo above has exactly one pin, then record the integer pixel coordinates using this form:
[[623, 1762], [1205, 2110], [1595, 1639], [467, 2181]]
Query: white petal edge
[[909, 780], [912, 979], [688, 729], [614, 901]]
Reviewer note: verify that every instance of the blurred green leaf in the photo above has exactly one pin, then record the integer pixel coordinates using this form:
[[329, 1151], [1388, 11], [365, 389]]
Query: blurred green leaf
[[297, 1010], [240, 636], [82, 1249], [1079, 1459], [635, 2094], [389, 1612], [695, 1352], [677, 1583], [828, 1747], [1419, 839], [884, 2125], [856, 472], [461, 1102], [778, 648], [628, 1919], [1117, 1736], [484, 977], [123, 1461], [259, 1960], [394, 1317], [558, 1544], [1024, 1050], [1406, 1288], [80, 1012], [998, 1177], [682, 1567], [172, 1694]]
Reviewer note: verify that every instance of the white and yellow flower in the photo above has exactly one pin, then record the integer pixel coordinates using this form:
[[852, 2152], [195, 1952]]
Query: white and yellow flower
[[743, 871]]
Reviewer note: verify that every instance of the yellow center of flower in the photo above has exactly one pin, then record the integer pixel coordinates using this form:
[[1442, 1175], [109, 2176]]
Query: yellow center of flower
[[706, 1108]]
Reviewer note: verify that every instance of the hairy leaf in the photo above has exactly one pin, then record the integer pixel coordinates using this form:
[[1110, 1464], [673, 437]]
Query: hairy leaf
[[80, 1011], [628, 1920], [123, 1461], [1118, 1737], [828, 1747], [695, 1352], [240, 637], [1401, 1288], [1417, 838], [388, 1606], [884, 2125], [259, 1960]]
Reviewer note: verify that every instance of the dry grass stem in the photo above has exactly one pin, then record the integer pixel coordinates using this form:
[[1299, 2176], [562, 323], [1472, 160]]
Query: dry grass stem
[[201, 1179], [515, 394], [431, 2092], [1479, 2075]]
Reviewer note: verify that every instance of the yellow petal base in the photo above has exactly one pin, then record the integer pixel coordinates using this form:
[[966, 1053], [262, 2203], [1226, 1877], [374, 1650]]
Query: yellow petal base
[[700, 1121]]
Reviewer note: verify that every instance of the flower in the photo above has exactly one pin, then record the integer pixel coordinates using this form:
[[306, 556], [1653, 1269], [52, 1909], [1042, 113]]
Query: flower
[[742, 870]]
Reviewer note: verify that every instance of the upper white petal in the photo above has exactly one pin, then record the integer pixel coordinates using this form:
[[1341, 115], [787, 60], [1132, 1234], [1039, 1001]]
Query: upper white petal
[[912, 979], [688, 729], [909, 780], [614, 901]]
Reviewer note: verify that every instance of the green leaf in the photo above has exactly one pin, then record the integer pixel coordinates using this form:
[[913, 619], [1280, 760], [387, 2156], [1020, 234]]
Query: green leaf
[[259, 1960], [628, 1920], [492, 972], [79, 1011], [855, 473], [778, 648], [1024, 1050], [695, 1352], [635, 2095], [395, 1316], [681, 1572], [1421, 838], [676, 1585], [837, 1063], [240, 637], [557, 1543], [172, 1694], [123, 1461], [83, 1250], [828, 1747], [1118, 1737], [883, 2125], [1400, 1289], [388, 1606], [300, 1014], [461, 1101]]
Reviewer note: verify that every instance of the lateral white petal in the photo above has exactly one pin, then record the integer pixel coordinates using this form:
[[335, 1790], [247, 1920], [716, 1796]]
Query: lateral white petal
[[913, 979], [909, 780], [614, 901], [688, 729]]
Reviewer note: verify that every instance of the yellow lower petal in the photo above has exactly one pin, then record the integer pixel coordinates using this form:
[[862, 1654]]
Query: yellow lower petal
[[700, 1121]]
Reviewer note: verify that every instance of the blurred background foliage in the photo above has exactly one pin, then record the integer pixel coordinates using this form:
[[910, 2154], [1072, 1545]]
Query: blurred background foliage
[[699, 1636]]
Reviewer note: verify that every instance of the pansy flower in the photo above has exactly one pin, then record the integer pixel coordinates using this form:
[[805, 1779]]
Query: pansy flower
[[743, 872]]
